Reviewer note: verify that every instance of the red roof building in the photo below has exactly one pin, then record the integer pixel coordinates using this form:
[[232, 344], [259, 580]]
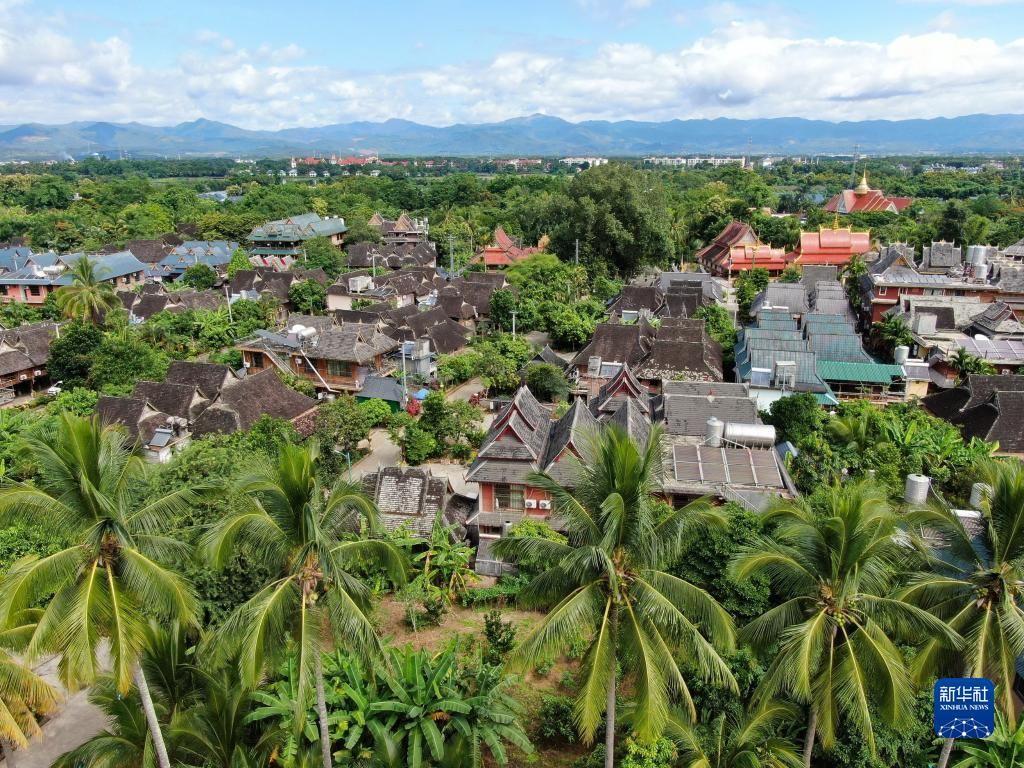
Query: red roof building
[[834, 246], [503, 252], [863, 199], [737, 249]]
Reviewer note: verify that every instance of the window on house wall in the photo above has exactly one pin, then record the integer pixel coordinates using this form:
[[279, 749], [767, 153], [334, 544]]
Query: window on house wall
[[257, 359], [882, 290], [508, 496], [339, 368], [34, 290], [490, 530]]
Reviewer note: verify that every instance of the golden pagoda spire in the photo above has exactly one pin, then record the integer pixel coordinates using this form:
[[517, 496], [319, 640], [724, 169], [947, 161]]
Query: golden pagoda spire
[[863, 188]]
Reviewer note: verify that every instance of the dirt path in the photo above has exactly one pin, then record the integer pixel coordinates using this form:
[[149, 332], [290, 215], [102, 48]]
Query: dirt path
[[76, 721]]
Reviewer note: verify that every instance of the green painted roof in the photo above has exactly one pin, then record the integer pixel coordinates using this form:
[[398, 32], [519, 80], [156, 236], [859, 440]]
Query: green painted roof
[[869, 373], [826, 398]]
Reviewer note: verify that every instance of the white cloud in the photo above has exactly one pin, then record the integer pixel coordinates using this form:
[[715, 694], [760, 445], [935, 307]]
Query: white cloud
[[744, 69]]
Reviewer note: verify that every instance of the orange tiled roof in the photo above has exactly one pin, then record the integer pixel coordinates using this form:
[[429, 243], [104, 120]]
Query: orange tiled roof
[[831, 246], [853, 201]]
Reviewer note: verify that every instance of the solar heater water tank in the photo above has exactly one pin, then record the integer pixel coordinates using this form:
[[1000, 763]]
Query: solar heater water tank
[[750, 434]]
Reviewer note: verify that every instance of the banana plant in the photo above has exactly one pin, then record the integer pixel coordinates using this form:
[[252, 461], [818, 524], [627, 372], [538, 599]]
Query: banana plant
[[424, 698], [492, 720]]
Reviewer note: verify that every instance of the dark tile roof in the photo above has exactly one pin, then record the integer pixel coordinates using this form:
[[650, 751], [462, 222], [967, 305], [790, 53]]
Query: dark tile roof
[[13, 361], [999, 419], [671, 359], [493, 279], [409, 496], [684, 300], [548, 355], [181, 400], [614, 342], [32, 340], [636, 298], [245, 400], [360, 315], [519, 433], [619, 387], [197, 300], [568, 442], [419, 322], [815, 273], [478, 296], [149, 304], [134, 414], [448, 337], [209, 378], [454, 304], [148, 251], [320, 322], [352, 342], [975, 391], [686, 414], [632, 417]]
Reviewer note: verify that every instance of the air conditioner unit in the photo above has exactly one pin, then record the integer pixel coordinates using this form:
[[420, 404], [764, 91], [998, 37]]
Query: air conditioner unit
[[531, 504], [545, 504]]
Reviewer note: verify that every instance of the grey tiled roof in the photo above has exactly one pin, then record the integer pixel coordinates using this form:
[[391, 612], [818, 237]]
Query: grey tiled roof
[[689, 414]]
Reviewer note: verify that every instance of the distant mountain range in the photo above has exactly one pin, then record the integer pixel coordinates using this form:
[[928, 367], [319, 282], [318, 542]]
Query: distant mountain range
[[534, 135]]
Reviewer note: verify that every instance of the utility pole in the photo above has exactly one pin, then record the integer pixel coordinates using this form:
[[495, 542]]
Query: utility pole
[[405, 382], [513, 323], [228, 299], [577, 251], [451, 255]]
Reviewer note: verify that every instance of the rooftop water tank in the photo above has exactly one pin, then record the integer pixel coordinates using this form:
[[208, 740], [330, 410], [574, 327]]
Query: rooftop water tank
[[916, 489], [979, 494], [901, 354], [750, 434], [715, 431]]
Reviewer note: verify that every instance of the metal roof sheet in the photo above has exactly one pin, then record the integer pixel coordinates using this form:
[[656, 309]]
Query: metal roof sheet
[[873, 373]]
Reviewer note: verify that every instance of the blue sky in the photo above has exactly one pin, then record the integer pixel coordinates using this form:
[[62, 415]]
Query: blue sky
[[273, 64]]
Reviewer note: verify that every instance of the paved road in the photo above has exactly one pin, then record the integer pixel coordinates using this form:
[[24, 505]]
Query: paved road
[[383, 453], [465, 390]]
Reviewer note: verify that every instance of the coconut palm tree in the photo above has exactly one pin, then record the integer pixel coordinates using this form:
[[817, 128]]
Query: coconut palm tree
[[608, 584], [126, 742], [23, 694], [749, 740], [852, 431], [835, 563], [977, 587], [111, 576], [888, 333], [312, 603], [88, 298]]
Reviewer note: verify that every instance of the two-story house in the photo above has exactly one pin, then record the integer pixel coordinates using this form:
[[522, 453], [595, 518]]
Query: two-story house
[[332, 359], [43, 275]]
